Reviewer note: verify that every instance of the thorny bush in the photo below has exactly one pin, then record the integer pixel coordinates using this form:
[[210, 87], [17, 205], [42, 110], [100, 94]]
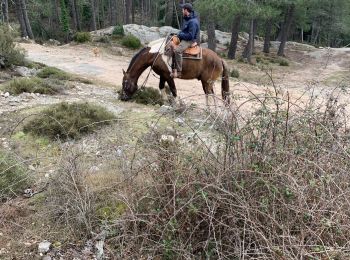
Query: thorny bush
[[274, 186]]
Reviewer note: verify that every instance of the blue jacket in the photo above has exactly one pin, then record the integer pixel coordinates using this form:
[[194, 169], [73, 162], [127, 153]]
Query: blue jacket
[[190, 29]]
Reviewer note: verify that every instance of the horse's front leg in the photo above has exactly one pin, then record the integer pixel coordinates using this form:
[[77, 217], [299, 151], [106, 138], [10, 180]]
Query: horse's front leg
[[172, 88], [162, 89]]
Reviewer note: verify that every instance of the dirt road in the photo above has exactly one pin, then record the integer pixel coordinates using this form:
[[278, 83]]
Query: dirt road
[[317, 66]]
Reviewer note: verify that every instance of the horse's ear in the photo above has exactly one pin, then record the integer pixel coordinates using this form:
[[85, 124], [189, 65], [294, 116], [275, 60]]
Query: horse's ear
[[124, 72]]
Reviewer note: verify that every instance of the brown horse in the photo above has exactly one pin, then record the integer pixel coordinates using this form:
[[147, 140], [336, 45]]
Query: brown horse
[[207, 69]]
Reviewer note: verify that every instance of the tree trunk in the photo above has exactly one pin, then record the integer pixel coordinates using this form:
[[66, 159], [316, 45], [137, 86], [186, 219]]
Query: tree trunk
[[142, 11], [286, 29], [20, 17], [5, 10], [234, 37], [255, 31], [132, 11], [248, 50], [55, 14], [97, 9], [113, 12], [74, 14], [267, 40], [169, 13], [26, 19], [93, 12], [211, 33], [127, 11], [249, 47]]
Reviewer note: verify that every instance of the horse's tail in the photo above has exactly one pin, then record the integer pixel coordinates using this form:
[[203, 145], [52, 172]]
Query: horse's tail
[[225, 83]]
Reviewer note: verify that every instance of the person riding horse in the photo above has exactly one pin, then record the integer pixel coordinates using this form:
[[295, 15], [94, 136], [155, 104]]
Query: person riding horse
[[189, 36]]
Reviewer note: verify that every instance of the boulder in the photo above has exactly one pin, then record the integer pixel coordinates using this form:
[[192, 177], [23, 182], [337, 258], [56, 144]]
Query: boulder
[[25, 72]]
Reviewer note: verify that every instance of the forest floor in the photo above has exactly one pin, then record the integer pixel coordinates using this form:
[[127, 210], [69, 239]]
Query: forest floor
[[24, 222]]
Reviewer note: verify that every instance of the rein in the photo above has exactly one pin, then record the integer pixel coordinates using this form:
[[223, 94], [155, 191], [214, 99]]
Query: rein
[[158, 53]]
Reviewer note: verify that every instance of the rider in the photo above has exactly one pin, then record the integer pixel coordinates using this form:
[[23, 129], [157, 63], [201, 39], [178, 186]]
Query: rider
[[188, 36]]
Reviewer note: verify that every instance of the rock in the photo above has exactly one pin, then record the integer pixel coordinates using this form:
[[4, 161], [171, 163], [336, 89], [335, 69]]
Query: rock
[[167, 139], [6, 95], [119, 151], [28, 193], [165, 109], [223, 38], [94, 168], [117, 51], [47, 257], [144, 33], [25, 72], [103, 32], [180, 121], [44, 247], [99, 249], [54, 42]]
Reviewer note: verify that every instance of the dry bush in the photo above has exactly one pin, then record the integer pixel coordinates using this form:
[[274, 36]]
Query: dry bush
[[13, 177], [71, 200], [275, 186]]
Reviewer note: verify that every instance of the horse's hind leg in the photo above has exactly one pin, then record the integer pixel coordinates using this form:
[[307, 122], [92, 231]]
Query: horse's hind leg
[[209, 91]]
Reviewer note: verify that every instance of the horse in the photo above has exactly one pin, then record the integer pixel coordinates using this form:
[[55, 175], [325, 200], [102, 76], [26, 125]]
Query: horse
[[207, 69]]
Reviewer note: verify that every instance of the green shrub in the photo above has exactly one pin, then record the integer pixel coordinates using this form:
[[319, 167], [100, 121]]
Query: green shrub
[[103, 39], [283, 62], [9, 54], [82, 37], [13, 179], [148, 96], [54, 73], [33, 85], [118, 30], [68, 120], [234, 73], [131, 41]]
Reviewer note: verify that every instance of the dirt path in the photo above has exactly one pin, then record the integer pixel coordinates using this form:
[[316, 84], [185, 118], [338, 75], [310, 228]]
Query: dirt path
[[312, 66]]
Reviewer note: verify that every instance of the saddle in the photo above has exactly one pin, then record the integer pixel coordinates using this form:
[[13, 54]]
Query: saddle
[[193, 52]]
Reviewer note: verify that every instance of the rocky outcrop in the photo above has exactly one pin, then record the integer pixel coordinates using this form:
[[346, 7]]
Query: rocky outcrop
[[147, 34]]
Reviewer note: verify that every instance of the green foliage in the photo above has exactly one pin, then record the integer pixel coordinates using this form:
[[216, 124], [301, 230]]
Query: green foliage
[[54, 73], [9, 53], [103, 39], [65, 120], [234, 73], [131, 41], [118, 30], [82, 37], [13, 178], [64, 17], [283, 62], [33, 85], [148, 96], [266, 59]]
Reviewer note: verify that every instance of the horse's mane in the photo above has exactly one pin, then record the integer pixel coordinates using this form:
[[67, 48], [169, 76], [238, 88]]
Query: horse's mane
[[139, 53]]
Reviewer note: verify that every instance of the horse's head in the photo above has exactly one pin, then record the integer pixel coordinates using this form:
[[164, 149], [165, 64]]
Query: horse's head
[[129, 87]]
